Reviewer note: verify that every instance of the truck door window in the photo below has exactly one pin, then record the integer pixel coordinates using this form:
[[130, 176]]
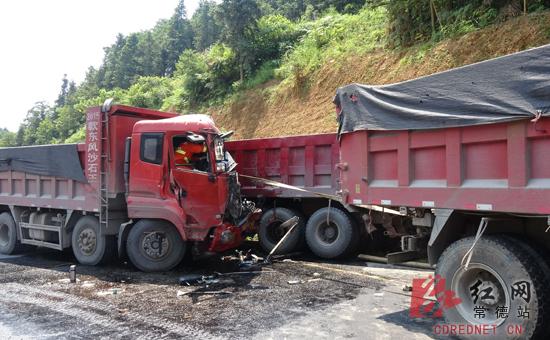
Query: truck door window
[[189, 154], [151, 148]]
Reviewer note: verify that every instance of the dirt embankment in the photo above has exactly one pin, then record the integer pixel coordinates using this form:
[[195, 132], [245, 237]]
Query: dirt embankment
[[276, 110]]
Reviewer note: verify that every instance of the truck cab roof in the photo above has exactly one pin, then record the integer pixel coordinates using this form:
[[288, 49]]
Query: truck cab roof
[[190, 122]]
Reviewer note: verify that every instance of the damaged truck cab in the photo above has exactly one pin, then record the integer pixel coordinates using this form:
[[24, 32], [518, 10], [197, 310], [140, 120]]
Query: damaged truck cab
[[200, 197], [152, 184]]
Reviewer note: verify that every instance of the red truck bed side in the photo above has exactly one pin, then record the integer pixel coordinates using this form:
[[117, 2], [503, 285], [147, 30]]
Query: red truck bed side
[[307, 162], [498, 167]]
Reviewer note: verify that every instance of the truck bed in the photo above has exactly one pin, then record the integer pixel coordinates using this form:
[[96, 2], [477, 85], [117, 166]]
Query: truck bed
[[307, 162], [25, 189], [501, 167]]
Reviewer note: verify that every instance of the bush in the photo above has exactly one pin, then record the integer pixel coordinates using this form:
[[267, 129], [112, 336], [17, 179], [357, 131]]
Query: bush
[[275, 36], [265, 73], [149, 92], [205, 76], [411, 20], [333, 36], [77, 137]]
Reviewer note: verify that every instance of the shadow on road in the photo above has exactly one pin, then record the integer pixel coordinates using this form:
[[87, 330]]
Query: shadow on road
[[423, 326]]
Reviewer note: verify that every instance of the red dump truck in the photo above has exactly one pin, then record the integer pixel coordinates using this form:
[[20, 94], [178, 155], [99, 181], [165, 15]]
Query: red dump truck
[[455, 165], [124, 184]]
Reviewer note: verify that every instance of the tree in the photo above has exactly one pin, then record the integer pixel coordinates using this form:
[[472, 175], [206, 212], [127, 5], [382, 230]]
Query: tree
[[110, 74], [239, 18], [179, 38], [31, 132], [276, 35], [206, 29], [292, 10], [128, 63], [7, 138], [62, 97]]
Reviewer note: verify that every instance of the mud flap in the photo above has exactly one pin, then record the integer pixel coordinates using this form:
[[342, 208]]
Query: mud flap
[[122, 236]]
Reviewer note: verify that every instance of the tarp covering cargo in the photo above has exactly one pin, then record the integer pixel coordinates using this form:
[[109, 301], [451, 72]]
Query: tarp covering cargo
[[44, 160], [512, 87]]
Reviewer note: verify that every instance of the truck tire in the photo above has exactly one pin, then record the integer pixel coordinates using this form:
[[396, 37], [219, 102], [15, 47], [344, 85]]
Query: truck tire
[[155, 246], [269, 233], [8, 234], [511, 269], [89, 246], [337, 239]]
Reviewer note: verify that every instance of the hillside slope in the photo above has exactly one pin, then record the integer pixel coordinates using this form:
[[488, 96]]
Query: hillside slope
[[276, 109]]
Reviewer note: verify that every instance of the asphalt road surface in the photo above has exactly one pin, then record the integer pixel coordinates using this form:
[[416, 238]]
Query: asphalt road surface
[[290, 299]]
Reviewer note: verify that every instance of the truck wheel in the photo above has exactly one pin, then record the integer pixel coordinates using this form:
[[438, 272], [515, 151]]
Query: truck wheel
[[8, 234], [89, 246], [503, 274], [270, 233], [155, 246], [335, 239]]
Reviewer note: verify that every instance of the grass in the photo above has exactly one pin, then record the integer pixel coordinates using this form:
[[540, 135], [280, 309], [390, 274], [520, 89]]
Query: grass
[[332, 37]]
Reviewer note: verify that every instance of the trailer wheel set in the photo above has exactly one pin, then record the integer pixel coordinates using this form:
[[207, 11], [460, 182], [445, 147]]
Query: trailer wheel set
[[330, 233]]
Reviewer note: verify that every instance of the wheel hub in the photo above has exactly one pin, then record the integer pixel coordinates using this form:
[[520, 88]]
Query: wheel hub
[[276, 232], [482, 292], [155, 245], [87, 241], [4, 235], [328, 233]]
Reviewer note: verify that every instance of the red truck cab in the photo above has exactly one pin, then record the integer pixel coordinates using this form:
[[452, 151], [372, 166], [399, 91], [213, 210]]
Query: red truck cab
[[126, 183], [194, 197]]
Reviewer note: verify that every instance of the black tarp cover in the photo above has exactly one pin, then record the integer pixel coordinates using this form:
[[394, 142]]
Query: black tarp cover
[[45, 160], [512, 87]]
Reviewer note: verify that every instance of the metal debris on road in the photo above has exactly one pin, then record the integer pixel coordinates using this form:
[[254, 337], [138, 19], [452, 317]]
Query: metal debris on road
[[197, 279], [290, 224], [194, 292]]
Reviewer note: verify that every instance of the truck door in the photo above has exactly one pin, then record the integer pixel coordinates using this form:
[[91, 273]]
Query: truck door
[[147, 176], [194, 183]]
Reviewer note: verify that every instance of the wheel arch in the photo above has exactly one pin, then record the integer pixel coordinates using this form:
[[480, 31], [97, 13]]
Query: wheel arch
[[168, 213]]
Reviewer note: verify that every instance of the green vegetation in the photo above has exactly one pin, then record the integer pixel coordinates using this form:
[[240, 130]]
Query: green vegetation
[[186, 64], [412, 21]]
